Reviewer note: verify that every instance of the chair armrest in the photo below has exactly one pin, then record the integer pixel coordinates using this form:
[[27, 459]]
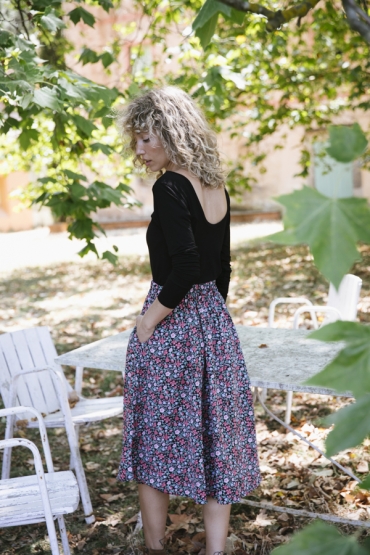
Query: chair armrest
[[284, 300], [17, 442], [313, 310], [12, 411]]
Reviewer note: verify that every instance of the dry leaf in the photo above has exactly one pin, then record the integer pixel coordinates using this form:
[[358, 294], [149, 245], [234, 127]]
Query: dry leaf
[[21, 424], [132, 519], [73, 398], [110, 498], [263, 520], [363, 467], [262, 346], [81, 544], [284, 517]]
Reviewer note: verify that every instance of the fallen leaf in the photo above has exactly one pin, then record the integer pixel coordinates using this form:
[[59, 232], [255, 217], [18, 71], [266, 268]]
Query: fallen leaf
[[21, 424], [263, 520], [323, 472], [363, 467], [132, 519], [110, 498]]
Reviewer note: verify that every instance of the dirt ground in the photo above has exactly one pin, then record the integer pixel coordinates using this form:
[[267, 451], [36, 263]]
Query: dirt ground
[[84, 302]]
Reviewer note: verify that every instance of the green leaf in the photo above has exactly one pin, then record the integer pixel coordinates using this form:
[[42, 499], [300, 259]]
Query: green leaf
[[209, 9], [320, 539], [77, 190], [352, 426], [51, 21], [74, 176], [90, 247], [107, 59], [6, 38], [80, 13], [26, 137], [83, 125], [107, 121], [106, 149], [47, 98], [113, 258], [237, 16], [88, 56], [206, 32], [346, 143], [331, 227], [105, 4], [365, 484], [205, 23], [350, 369]]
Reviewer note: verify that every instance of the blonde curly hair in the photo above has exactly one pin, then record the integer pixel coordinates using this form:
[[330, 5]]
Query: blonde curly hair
[[172, 115]]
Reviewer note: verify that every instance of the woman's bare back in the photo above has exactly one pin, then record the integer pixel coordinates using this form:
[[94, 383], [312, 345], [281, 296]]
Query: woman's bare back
[[213, 201]]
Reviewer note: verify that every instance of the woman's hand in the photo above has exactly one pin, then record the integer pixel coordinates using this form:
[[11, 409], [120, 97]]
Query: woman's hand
[[143, 332]]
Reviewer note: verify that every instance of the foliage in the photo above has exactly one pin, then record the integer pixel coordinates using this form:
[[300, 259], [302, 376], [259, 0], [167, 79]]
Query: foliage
[[56, 123], [321, 538], [329, 225], [350, 370], [253, 84]]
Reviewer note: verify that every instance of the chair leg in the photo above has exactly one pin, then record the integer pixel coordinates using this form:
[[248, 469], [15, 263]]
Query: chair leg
[[7, 456], [77, 432], [63, 535], [76, 463], [288, 412]]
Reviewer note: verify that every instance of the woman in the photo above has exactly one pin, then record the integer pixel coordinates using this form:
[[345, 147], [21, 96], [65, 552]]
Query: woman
[[188, 416]]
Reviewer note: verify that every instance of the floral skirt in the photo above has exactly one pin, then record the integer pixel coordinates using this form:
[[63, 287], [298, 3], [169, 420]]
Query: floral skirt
[[188, 409]]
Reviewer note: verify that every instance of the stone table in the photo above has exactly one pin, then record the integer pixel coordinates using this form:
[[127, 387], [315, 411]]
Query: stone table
[[276, 358]]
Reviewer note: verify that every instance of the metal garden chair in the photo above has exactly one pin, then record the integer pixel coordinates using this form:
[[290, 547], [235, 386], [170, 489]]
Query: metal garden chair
[[30, 377], [41, 497], [341, 305]]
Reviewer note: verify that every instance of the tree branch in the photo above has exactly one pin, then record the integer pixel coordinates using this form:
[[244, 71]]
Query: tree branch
[[19, 8], [274, 19], [358, 20]]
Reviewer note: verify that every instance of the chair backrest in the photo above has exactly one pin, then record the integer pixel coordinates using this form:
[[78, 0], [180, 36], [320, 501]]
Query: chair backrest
[[25, 350], [346, 298]]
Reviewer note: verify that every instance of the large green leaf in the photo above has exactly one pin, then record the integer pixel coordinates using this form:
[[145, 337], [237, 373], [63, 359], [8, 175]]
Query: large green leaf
[[51, 21], [206, 32], [205, 22], [47, 98], [209, 9], [352, 426], [350, 369], [320, 539], [80, 13], [84, 126], [331, 227], [346, 143]]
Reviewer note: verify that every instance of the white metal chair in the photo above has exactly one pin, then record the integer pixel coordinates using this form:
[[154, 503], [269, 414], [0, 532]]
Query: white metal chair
[[30, 377], [41, 497], [341, 305]]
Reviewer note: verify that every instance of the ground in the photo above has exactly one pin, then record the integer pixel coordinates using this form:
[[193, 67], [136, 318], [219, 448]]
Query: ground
[[83, 302]]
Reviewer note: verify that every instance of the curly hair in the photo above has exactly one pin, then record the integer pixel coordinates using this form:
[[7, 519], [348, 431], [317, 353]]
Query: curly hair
[[172, 115]]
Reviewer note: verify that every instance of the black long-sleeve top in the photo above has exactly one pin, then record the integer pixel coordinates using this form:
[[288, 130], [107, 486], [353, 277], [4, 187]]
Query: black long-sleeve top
[[184, 248]]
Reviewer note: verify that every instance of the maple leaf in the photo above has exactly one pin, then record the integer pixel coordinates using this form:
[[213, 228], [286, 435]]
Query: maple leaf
[[331, 227]]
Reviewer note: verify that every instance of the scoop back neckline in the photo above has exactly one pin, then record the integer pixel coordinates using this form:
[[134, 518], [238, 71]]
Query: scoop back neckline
[[196, 196]]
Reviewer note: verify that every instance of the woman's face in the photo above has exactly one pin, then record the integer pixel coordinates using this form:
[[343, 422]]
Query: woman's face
[[150, 149]]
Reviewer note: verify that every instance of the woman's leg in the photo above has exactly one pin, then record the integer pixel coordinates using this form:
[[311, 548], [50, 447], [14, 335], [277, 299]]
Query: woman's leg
[[154, 506], [216, 522]]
